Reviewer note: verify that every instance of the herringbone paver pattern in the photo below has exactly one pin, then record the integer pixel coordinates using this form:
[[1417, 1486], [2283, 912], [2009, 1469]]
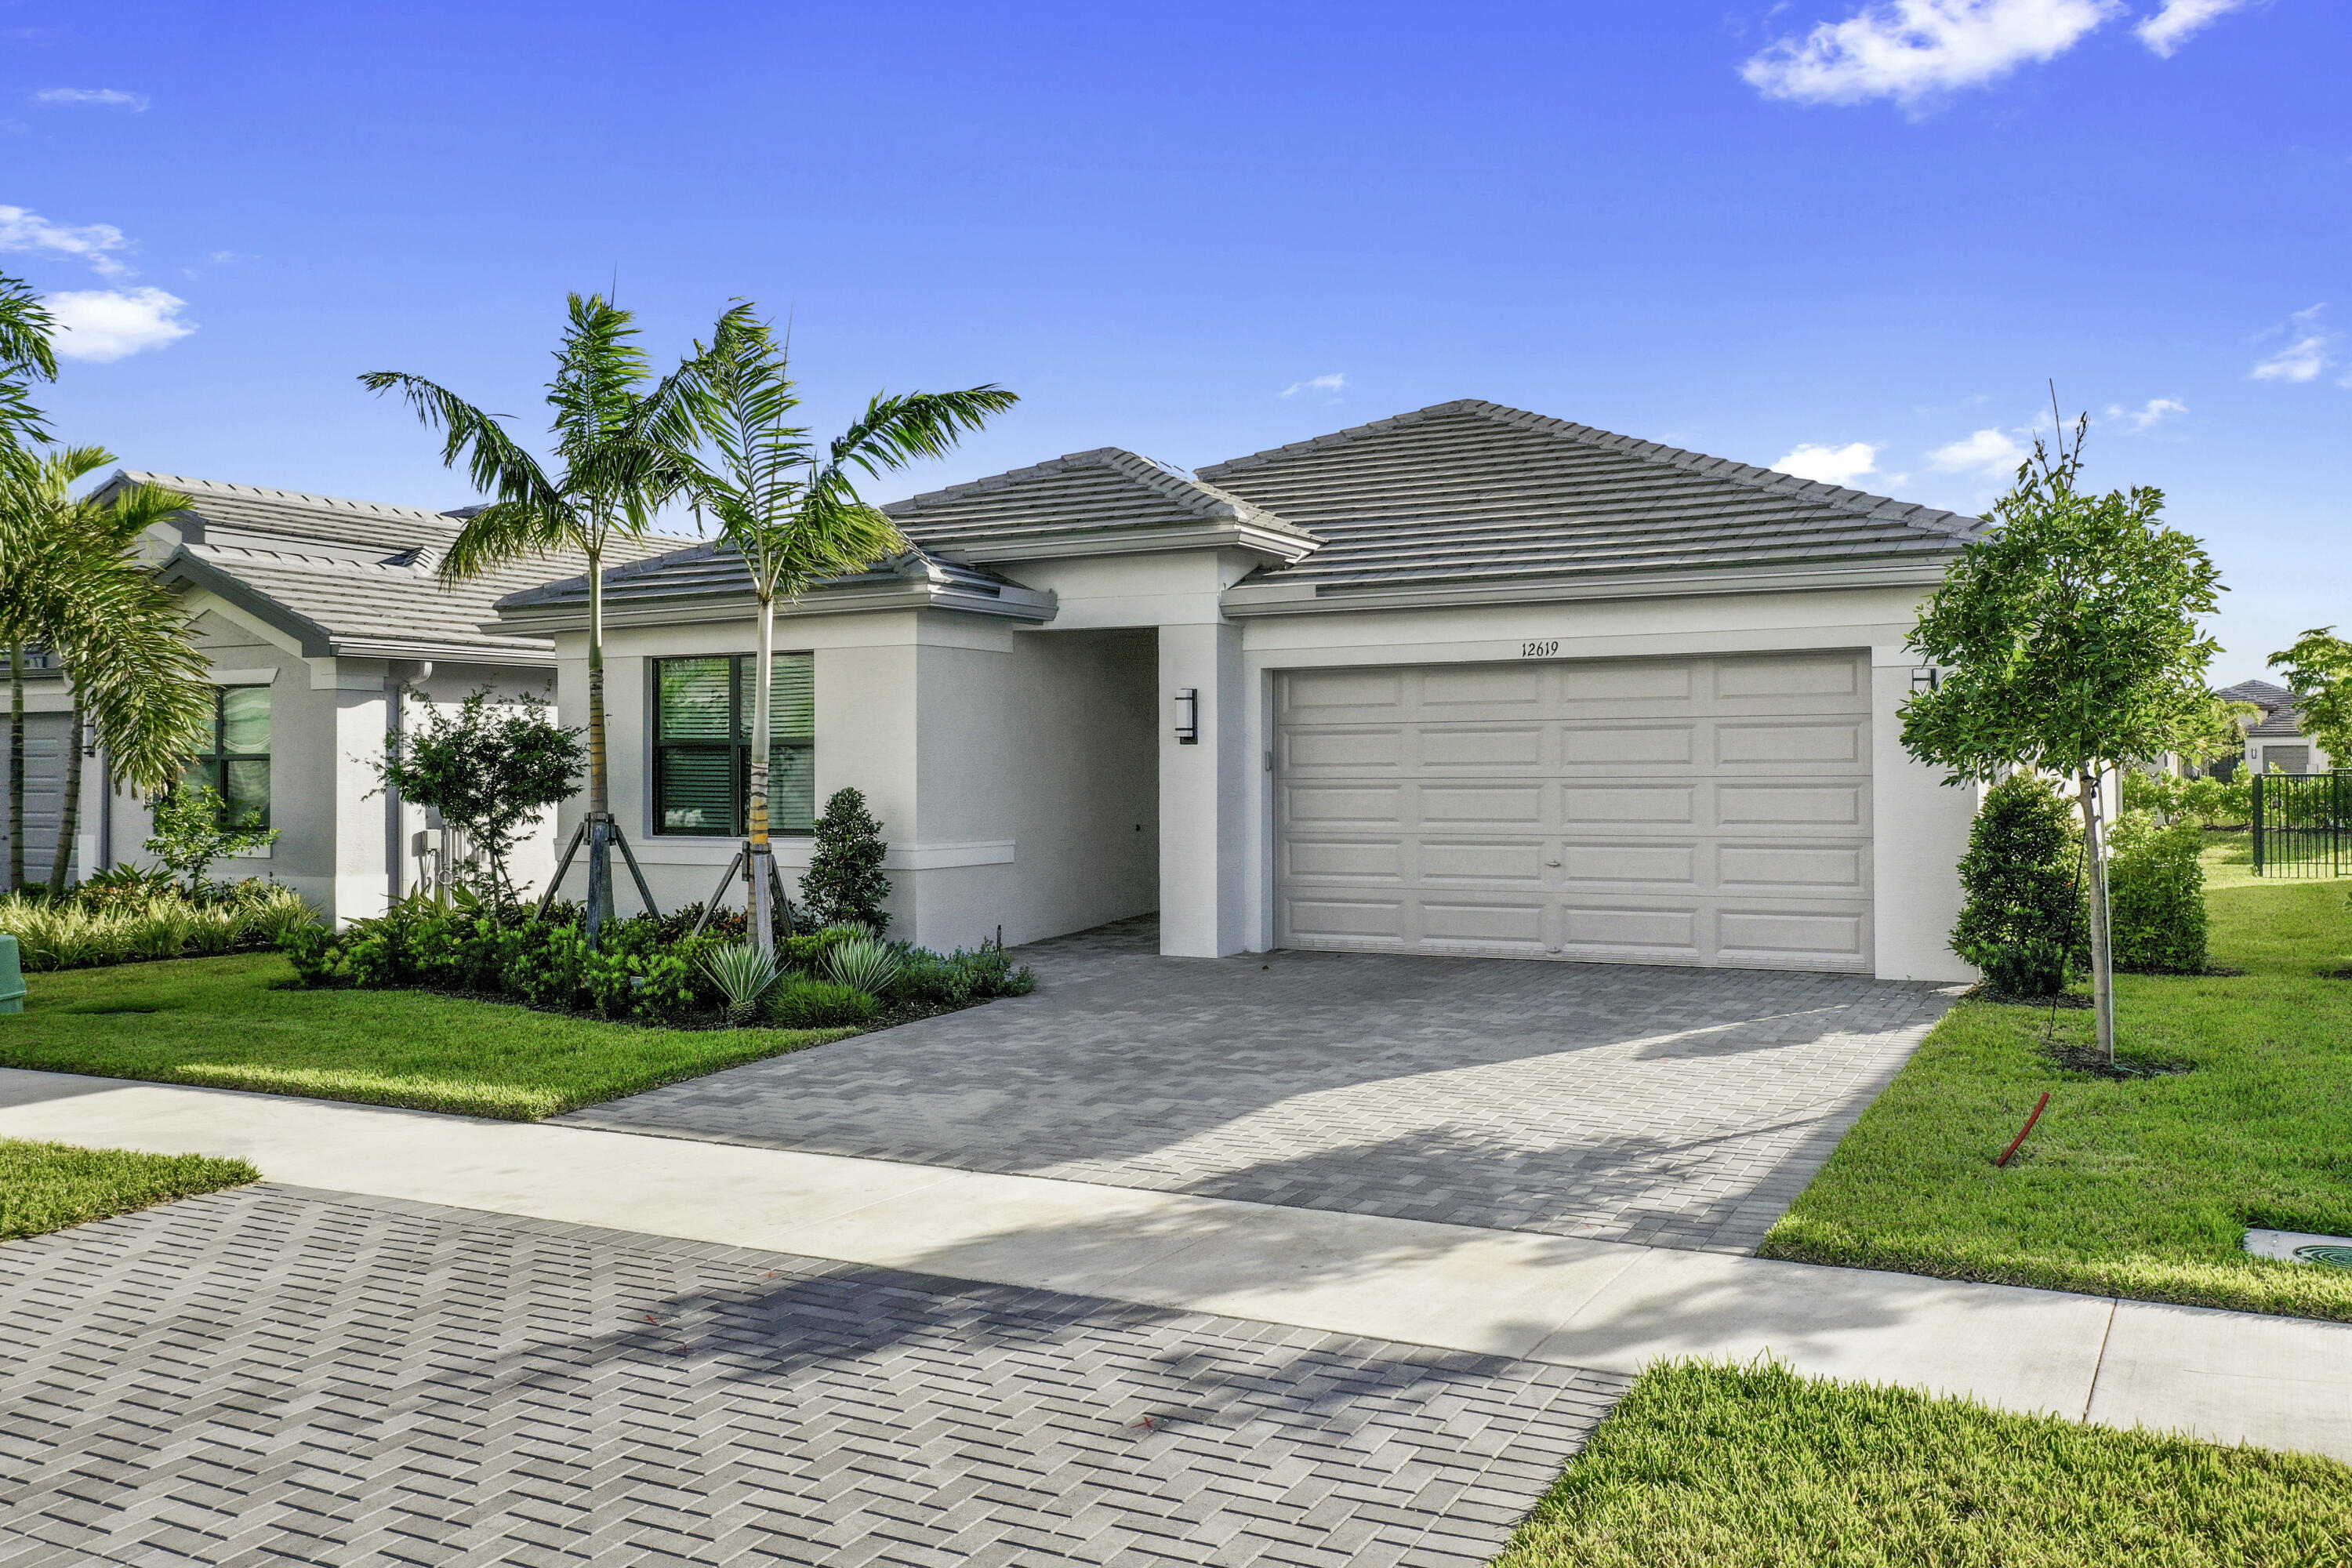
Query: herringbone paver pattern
[[279, 1376], [1674, 1107]]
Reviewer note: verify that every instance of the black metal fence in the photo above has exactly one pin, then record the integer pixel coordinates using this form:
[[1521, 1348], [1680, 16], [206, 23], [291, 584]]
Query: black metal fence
[[2302, 824]]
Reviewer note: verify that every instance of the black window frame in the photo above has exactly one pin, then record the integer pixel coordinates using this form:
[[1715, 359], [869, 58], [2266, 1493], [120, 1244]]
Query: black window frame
[[213, 762], [739, 697]]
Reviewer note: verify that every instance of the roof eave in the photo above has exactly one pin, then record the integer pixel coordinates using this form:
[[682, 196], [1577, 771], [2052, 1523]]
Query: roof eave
[[1008, 602], [1210, 534], [183, 568], [456, 650], [1279, 598]]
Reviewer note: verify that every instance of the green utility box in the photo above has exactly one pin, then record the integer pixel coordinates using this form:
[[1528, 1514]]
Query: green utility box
[[12, 977]]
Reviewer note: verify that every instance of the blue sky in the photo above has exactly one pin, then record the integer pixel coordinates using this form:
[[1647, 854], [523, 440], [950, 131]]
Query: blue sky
[[1862, 233]]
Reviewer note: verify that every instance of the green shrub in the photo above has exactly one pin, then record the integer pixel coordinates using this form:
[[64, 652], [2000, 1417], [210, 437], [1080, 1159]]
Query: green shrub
[[119, 927], [802, 1003], [843, 881], [2209, 803], [314, 953], [743, 973], [864, 963], [2156, 890], [2019, 878]]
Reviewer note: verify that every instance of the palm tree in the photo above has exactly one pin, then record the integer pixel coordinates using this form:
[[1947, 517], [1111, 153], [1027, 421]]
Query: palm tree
[[792, 510], [617, 444], [25, 356], [71, 580]]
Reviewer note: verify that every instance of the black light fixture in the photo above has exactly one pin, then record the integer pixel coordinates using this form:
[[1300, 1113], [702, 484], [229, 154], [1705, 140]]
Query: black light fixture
[[1926, 677], [1188, 716]]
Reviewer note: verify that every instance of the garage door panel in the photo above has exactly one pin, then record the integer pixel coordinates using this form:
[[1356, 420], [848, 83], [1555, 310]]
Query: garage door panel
[[1704, 810], [1629, 745], [1481, 746], [1306, 749], [1812, 745], [1331, 804], [1791, 804], [1446, 691], [1452, 806], [1326, 916], [1485, 923], [1669, 934], [1814, 937], [1778, 679], [1645, 803], [1648, 682], [1663, 864], [1837, 868], [1381, 859], [1485, 860]]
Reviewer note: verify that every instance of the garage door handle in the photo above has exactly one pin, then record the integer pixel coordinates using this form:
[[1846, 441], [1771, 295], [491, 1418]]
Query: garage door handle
[[1552, 862]]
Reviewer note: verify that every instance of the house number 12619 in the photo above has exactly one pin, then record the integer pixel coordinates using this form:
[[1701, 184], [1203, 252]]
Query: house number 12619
[[1549, 649]]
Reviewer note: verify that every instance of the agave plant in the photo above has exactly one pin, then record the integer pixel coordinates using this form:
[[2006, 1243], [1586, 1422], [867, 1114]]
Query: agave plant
[[865, 963], [743, 973]]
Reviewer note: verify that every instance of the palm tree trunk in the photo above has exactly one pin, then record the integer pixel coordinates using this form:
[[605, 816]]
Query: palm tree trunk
[[2103, 958], [17, 767], [600, 800], [757, 855], [70, 808]]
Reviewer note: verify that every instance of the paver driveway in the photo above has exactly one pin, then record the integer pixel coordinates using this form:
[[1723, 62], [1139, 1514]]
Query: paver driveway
[[282, 1376], [1677, 1107]]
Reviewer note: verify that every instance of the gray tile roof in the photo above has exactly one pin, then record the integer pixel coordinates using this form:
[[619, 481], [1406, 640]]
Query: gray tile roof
[[2285, 721], [355, 577], [714, 574], [2262, 694], [1468, 493], [1083, 502]]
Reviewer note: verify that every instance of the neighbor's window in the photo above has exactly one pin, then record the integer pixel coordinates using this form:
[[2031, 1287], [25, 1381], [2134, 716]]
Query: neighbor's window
[[702, 744], [236, 758]]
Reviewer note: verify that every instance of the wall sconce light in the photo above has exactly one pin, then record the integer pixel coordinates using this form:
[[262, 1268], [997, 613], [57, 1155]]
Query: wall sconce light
[[1188, 716], [1926, 677]]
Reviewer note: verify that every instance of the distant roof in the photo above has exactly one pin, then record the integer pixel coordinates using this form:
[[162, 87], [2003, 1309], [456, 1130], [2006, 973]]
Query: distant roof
[[1091, 503], [351, 576], [1471, 494], [2283, 720], [2262, 694]]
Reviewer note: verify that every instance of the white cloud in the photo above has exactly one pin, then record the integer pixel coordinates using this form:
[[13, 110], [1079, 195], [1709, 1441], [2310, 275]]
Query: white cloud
[[1994, 453], [1908, 50], [104, 97], [2310, 348], [1830, 464], [1336, 382], [2140, 419], [2170, 27], [96, 243], [102, 324]]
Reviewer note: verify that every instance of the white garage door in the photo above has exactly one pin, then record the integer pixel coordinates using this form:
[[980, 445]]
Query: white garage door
[[1706, 811]]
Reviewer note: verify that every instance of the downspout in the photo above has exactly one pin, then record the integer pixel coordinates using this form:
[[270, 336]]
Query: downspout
[[395, 808], [105, 810]]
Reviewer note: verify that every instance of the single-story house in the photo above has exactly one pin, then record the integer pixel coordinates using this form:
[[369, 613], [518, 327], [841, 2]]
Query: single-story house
[[2275, 743], [324, 627], [1467, 681]]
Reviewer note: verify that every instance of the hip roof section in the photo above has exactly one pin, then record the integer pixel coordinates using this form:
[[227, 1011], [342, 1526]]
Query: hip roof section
[[1471, 494], [1089, 503]]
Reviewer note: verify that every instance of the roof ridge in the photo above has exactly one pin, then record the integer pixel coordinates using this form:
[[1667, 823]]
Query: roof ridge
[[195, 487], [1195, 495], [1862, 503]]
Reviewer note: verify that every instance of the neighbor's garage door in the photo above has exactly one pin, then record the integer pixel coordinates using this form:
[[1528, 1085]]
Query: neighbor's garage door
[[1707, 810]]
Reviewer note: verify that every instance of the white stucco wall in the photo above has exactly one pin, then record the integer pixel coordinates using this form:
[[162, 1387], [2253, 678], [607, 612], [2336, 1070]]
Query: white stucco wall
[[1011, 769]]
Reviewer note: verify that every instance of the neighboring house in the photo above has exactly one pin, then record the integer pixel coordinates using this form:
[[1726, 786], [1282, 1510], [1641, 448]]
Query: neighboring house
[[1469, 680], [2275, 741], [320, 618]]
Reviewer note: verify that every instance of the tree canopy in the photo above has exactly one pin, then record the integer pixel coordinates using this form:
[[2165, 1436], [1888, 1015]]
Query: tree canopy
[[2318, 671]]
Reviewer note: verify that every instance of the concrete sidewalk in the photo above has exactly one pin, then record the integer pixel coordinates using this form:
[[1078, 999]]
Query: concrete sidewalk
[[2279, 1382]]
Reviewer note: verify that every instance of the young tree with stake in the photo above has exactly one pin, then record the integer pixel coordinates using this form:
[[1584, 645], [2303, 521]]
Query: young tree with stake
[[790, 508], [618, 441], [2070, 642]]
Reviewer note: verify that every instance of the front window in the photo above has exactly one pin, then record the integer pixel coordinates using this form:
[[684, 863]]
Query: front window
[[702, 744], [236, 758]]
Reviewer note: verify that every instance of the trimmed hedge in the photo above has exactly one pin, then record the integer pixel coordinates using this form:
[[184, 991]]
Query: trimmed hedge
[[2156, 890]]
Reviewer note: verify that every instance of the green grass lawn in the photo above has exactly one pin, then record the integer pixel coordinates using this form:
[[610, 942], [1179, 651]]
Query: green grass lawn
[[49, 1186], [2141, 1187], [1713, 1466], [225, 1023]]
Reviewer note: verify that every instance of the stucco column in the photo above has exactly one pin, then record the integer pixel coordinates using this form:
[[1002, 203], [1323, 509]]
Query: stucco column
[[360, 715], [1204, 803], [1919, 828]]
